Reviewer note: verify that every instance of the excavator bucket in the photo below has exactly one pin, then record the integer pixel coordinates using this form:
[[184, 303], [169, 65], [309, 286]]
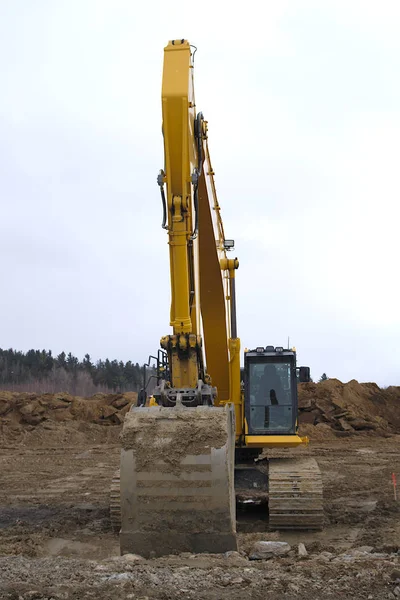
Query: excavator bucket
[[177, 480]]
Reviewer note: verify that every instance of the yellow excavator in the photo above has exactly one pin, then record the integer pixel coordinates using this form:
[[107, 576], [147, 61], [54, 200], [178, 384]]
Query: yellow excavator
[[192, 451]]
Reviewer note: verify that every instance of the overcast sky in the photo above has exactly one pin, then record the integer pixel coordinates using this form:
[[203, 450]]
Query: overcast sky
[[303, 103]]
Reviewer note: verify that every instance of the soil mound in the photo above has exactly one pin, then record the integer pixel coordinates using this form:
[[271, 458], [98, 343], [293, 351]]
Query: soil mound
[[27, 411], [329, 407], [350, 407]]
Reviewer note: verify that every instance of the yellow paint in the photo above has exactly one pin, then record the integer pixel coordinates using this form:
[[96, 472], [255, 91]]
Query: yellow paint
[[178, 114], [200, 270], [202, 276], [274, 441]]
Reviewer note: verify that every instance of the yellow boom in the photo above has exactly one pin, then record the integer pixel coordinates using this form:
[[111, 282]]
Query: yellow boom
[[202, 276]]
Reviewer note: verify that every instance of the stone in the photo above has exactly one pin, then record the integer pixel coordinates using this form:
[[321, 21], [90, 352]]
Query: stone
[[118, 417], [305, 403], [4, 407], [120, 402], [325, 555], [132, 558], [107, 411], [345, 425], [232, 554], [361, 424], [27, 409], [340, 414], [119, 577], [308, 418], [266, 550], [360, 551], [396, 591], [302, 551], [395, 574], [32, 419]]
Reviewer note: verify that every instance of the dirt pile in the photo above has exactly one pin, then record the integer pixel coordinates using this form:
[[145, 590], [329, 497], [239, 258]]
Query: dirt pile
[[351, 407], [25, 409], [332, 406]]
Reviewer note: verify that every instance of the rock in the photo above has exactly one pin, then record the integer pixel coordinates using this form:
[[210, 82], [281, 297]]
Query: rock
[[107, 411], [237, 580], [340, 414], [33, 419], [305, 403], [119, 577], [27, 409], [361, 424], [395, 574], [118, 417], [344, 558], [232, 554], [132, 558], [324, 406], [4, 407], [120, 402], [308, 417], [63, 398], [339, 403], [302, 551], [266, 550], [325, 555], [345, 426], [362, 550], [396, 591]]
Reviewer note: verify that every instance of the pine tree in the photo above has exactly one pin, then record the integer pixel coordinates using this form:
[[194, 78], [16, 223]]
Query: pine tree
[[87, 363]]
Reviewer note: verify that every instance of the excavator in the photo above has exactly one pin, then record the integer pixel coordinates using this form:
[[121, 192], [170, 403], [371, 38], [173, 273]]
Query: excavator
[[196, 448]]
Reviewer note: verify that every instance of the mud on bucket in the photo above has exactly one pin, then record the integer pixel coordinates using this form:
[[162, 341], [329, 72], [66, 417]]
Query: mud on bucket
[[177, 480]]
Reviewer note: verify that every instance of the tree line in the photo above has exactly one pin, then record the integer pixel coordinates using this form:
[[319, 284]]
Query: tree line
[[40, 371]]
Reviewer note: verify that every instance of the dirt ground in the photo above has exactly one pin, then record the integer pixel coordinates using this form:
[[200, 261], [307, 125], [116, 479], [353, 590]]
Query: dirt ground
[[56, 540]]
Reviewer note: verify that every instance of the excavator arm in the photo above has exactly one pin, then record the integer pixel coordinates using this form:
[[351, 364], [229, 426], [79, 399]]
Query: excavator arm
[[203, 350]]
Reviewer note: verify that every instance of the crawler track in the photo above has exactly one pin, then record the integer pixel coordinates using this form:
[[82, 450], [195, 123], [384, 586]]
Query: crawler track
[[295, 494], [115, 502]]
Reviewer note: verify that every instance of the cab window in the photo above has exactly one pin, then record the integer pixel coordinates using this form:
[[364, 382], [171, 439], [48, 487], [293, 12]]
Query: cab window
[[270, 392]]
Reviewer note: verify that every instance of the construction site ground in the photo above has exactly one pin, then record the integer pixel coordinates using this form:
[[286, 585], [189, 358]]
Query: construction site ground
[[56, 540]]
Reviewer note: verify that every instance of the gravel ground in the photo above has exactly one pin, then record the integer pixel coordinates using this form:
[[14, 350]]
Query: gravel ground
[[56, 540]]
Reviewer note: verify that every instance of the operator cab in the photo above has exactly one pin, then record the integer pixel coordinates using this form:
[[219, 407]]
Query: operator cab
[[271, 390]]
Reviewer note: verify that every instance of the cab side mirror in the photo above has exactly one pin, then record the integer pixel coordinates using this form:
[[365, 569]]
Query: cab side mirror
[[304, 375]]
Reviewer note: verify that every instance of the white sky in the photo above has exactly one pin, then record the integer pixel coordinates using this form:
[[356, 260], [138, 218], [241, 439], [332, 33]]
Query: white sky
[[303, 104]]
